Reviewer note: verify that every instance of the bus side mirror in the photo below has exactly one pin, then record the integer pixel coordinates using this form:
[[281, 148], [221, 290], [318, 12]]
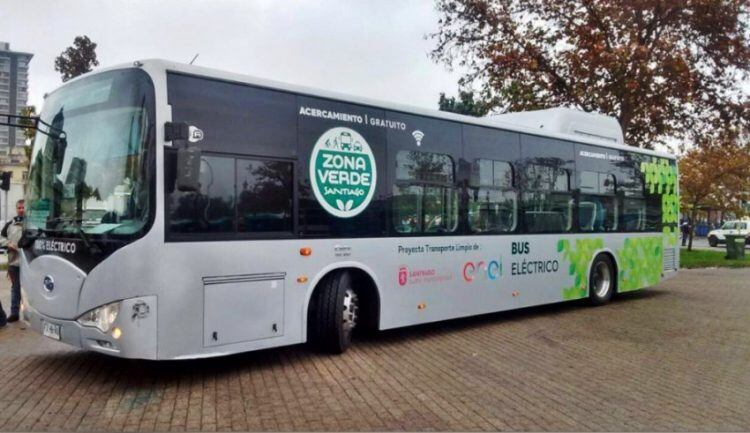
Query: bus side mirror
[[188, 154], [188, 169]]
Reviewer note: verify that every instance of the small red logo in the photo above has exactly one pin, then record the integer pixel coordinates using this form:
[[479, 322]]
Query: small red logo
[[403, 275], [469, 269]]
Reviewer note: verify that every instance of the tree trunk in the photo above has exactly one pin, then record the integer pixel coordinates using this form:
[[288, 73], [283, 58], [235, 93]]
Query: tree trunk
[[624, 120], [693, 213]]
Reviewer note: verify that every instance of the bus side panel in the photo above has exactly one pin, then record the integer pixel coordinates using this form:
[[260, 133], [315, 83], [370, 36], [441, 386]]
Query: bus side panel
[[435, 279]]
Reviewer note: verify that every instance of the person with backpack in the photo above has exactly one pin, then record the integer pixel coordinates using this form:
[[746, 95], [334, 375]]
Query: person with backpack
[[13, 231]]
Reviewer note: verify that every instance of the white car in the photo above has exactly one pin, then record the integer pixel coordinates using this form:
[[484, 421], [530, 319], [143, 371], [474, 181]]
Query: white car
[[716, 237]]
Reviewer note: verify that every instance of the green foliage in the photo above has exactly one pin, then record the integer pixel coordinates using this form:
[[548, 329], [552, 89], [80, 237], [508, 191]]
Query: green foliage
[[664, 69], [28, 132], [710, 259], [640, 262], [465, 104], [77, 59], [579, 259]]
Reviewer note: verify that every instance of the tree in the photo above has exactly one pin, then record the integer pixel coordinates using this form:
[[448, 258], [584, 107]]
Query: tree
[[29, 131], [715, 174], [465, 104], [77, 59], [661, 67]]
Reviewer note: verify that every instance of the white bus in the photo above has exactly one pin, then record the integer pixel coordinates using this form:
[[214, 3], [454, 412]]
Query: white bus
[[183, 212]]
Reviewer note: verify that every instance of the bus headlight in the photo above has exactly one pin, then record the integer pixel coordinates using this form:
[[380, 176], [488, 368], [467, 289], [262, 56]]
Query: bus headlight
[[101, 317]]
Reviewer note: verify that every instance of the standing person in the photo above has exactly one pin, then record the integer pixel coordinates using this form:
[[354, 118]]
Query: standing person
[[13, 230], [685, 229]]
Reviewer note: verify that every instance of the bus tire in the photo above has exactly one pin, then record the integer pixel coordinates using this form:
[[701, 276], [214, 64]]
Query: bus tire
[[602, 280], [334, 313]]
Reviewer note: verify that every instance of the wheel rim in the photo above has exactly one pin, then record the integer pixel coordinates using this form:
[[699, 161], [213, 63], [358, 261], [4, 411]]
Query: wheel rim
[[602, 279], [351, 306]]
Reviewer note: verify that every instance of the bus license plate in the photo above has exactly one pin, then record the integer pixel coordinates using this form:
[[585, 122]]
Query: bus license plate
[[51, 330]]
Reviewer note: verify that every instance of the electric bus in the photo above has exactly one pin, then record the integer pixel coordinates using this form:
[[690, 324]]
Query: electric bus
[[178, 212]]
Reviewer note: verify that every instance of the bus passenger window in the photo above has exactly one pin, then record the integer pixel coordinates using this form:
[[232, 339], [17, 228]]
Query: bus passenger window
[[547, 200], [264, 196], [653, 213], [597, 207], [211, 209], [425, 199], [492, 200], [634, 214]]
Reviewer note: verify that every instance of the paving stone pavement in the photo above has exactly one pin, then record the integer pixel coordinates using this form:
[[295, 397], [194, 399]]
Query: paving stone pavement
[[674, 357]]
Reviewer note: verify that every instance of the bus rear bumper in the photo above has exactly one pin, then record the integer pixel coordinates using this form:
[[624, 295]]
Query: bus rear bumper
[[136, 338]]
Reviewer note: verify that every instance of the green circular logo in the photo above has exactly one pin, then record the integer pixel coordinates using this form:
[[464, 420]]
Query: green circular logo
[[342, 172]]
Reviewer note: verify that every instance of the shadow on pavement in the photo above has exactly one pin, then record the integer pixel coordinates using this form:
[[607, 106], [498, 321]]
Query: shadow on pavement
[[141, 373]]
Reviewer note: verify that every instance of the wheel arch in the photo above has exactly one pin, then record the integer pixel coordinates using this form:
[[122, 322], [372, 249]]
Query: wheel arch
[[363, 274]]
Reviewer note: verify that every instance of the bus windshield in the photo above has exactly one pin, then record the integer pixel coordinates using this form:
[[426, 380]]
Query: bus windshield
[[95, 177]]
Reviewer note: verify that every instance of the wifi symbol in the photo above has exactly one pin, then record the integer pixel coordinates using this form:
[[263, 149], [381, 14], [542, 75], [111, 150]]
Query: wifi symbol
[[418, 136]]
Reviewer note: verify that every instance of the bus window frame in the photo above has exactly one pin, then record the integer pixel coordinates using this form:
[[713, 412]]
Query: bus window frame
[[455, 187], [234, 235]]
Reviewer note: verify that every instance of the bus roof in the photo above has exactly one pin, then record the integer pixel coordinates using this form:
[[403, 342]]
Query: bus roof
[[560, 123]]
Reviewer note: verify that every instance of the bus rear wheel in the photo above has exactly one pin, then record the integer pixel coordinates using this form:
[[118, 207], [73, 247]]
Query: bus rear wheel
[[601, 280], [334, 313]]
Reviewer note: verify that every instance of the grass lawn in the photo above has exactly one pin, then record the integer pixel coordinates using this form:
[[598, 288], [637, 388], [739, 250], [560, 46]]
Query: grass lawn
[[710, 259]]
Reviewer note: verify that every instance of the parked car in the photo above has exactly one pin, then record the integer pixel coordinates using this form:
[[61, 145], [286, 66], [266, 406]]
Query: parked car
[[716, 237]]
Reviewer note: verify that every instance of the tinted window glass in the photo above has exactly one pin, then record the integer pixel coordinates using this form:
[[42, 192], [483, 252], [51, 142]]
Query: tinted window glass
[[653, 213], [235, 118], [547, 205], [424, 199], [634, 214], [424, 166], [492, 210], [589, 181], [562, 180], [606, 183], [486, 172], [264, 196], [632, 187], [546, 178], [548, 212], [492, 202], [425, 209], [597, 213], [597, 206], [211, 209]]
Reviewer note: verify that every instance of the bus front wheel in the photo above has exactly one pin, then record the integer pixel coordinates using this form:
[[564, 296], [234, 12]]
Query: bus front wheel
[[602, 280], [334, 313]]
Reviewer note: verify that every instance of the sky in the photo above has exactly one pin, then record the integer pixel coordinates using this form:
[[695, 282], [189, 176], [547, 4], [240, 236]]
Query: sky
[[370, 48]]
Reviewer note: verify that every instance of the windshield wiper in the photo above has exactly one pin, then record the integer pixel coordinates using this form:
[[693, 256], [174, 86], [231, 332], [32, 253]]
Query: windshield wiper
[[77, 227], [86, 241], [28, 237]]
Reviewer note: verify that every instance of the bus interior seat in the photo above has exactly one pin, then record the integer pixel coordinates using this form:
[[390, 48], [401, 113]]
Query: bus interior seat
[[587, 215]]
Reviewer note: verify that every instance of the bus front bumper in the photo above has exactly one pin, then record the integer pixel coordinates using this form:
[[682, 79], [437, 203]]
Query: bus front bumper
[[135, 336]]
